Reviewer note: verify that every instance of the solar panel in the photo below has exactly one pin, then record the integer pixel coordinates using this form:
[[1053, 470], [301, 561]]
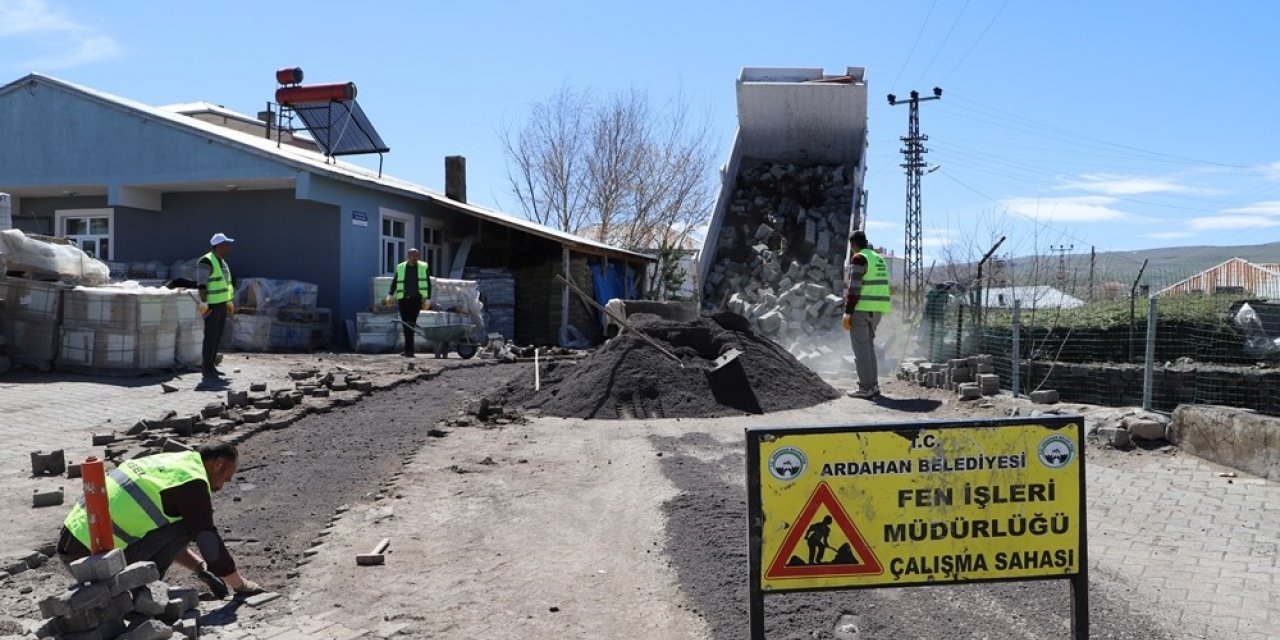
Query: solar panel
[[340, 127]]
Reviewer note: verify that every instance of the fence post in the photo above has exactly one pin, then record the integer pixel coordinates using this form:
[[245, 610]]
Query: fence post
[[1148, 374], [1017, 346]]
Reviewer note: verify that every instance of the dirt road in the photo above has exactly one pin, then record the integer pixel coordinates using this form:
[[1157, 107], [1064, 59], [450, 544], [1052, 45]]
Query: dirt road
[[562, 528]]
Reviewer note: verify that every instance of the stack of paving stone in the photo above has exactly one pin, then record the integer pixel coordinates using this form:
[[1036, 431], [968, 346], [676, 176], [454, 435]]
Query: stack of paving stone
[[971, 377], [111, 600], [779, 258]]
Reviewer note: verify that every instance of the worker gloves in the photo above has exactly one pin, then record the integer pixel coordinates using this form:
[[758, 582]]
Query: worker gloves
[[216, 586], [847, 322]]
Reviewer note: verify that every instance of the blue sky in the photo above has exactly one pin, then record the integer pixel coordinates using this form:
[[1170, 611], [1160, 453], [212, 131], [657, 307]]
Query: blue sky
[[1122, 125]]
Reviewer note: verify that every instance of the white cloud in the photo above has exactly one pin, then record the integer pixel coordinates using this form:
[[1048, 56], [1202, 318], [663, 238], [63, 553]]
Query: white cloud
[[1118, 185], [1068, 209], [935, 238], [1271, 171], [54, 39], [1219, 223], [1168, 235], [881, 224], [1267, 208]]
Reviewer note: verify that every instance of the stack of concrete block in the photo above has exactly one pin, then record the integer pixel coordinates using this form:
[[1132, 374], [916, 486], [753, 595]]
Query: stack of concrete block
[[779, 258], [112, 600], [31, 320], [971, 377]]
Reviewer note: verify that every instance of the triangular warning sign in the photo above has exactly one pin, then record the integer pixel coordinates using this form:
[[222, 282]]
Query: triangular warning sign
[[817, 557]]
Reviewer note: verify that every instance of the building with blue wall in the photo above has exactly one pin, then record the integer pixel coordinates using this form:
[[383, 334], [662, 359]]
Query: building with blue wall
[[131, 182]]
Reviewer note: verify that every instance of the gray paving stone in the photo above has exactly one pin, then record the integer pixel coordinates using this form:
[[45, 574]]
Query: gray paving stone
[[151, 598], [97, 568]]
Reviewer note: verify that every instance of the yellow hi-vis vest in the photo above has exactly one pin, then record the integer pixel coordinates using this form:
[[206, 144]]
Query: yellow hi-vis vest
[[133, 495], [875, 285], [219, 288], [423, 281]]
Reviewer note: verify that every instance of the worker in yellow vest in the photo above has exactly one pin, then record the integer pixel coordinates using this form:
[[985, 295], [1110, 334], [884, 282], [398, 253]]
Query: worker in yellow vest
[[865, 303], [213, 279], [161, 504], [411, 289]]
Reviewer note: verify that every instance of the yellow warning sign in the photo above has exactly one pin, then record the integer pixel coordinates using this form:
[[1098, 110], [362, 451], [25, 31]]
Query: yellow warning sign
[[921, 503]]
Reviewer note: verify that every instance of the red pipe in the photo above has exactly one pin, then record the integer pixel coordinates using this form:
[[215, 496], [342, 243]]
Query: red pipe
[[292, 75], [316, 93], [101, 539]]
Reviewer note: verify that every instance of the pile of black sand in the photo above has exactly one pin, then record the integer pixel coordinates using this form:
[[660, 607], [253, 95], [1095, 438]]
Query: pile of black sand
[[628, 378]]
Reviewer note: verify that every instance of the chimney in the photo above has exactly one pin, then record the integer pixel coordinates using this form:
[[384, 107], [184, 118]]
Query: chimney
[[455, 178]]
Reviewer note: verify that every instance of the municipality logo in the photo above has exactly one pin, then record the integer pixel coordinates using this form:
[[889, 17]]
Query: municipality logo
[[1057, 451], [787, 463]]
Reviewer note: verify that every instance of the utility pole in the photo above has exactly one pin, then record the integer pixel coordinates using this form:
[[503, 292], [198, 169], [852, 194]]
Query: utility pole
[[1093, 258], [1062, 251], [913, 151]]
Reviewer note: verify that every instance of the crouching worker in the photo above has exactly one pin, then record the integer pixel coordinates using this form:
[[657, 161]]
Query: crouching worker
[[161, 504]]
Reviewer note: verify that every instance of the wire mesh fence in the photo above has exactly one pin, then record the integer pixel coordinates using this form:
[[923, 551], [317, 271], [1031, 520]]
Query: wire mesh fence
[[1128, 335]]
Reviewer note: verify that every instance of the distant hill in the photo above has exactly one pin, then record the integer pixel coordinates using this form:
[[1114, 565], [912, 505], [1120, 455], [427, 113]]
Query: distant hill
[[1165, 265]]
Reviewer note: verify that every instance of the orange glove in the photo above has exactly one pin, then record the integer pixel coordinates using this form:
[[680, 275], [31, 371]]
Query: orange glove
[[426, 305], [847, 322], [231, 309], [202, 309]]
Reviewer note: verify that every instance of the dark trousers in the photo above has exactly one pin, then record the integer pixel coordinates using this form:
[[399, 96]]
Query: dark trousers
[[214, 323], [160, 546], [410, 307]]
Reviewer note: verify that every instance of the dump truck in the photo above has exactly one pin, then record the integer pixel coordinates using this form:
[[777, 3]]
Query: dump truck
[[791, 192]]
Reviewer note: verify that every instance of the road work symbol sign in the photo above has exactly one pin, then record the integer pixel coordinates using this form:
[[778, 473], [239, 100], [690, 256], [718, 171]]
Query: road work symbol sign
[[914, 504], [823, 542]]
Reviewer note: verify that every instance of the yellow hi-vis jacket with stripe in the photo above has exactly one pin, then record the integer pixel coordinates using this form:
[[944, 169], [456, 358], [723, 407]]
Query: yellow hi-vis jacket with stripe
[[219, 288], [874, 296], [133, 495], [424, 282]]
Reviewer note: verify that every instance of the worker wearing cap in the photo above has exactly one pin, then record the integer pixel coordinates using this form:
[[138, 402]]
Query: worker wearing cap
[[411, 289], [866, 302], [213, 278], [159, 505]]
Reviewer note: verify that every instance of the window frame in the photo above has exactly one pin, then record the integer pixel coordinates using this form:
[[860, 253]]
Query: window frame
[[408, 219], [440, 265], [60, 217]]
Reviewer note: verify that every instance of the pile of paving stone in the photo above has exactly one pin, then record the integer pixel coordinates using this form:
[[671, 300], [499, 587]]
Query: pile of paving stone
[[111, 600], [779, 258], [971, 377], [242, 414]]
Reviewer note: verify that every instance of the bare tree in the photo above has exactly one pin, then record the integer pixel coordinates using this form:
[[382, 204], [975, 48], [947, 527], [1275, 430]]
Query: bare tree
[[615, 169], [547, 160]]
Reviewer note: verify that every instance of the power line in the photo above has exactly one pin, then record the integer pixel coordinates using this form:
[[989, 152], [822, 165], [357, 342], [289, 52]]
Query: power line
[[1099, 140], [943, 44], [1030, 218], [975, 42], [912, 52]]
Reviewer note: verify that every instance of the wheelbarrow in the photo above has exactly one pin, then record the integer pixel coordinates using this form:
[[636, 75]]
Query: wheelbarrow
[[447, 337]]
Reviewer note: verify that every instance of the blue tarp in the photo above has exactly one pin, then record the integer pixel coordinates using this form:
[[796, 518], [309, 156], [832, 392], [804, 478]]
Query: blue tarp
[[620, 283]]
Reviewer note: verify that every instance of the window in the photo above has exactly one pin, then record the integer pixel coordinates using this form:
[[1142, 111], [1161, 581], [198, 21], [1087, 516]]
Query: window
[[433, 248], [395, 239], [90, 229]]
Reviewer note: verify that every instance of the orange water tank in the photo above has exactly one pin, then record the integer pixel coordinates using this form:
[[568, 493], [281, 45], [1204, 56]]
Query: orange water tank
[[292, 75], [316, 93]]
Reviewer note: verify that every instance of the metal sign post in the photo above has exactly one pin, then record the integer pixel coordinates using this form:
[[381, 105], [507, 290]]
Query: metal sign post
[[917, 504]]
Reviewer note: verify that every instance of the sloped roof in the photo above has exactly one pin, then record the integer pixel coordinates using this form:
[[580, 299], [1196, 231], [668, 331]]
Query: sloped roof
[[316, 163], [1040, 296], [1267, 271]]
